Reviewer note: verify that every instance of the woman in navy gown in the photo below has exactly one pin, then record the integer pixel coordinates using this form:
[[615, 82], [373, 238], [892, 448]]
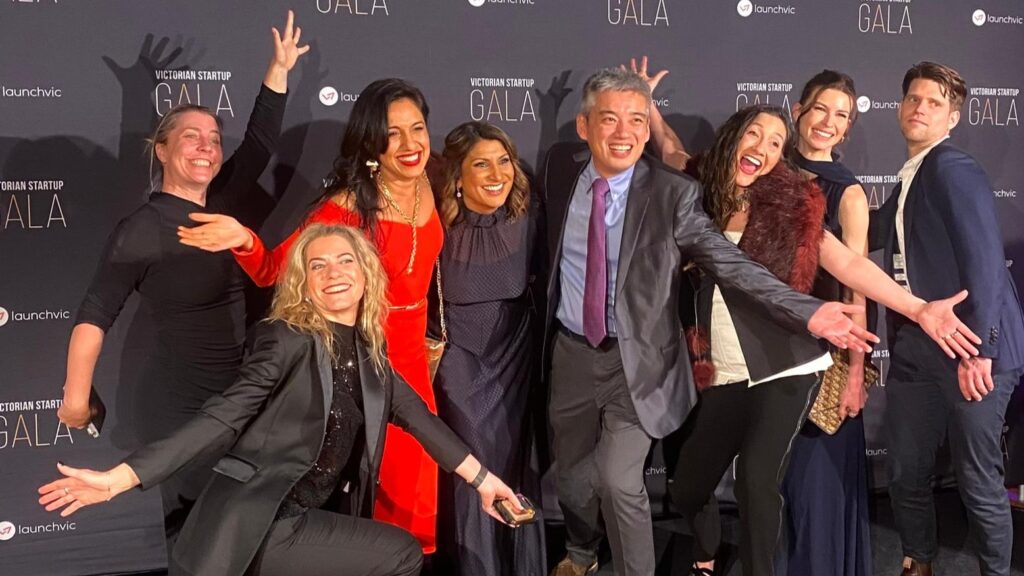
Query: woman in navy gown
[[825, 489], [484, 378]]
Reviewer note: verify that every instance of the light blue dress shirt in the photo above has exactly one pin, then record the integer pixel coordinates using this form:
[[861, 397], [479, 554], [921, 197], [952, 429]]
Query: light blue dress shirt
[[573, 268]]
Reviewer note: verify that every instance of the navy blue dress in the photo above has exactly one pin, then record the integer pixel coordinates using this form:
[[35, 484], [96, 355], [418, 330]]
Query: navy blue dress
[[825, 488], [483, 388]]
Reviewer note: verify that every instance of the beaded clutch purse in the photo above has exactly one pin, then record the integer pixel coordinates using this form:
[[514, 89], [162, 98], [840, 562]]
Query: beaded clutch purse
[[825, 410]]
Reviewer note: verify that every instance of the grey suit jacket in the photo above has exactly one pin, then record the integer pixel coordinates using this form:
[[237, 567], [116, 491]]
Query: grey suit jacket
[[277, 409], [665, 227]]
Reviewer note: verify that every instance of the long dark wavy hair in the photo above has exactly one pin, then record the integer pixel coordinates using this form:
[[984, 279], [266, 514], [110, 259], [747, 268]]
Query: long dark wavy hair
[[457, 146], [718, 165], [366, 138]]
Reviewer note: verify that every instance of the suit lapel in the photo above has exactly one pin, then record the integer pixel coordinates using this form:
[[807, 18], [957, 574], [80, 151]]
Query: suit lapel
[[636, 208], [323, 363], [373, 405], [558, 213]]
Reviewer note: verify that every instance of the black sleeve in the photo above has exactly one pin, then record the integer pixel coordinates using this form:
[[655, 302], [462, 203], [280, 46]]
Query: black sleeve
[[131, 248], [236, 181], [410, 413], [699, 239], [274, 354]]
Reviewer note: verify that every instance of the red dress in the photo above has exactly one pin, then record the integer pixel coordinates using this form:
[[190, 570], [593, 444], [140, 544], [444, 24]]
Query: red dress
[[407, 494]]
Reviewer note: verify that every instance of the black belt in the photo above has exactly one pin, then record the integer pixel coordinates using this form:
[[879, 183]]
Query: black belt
[[607, 344]]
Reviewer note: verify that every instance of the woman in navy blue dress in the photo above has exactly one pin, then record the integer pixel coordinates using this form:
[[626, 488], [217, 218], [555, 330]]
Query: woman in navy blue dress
[[826, 484], [484, 379]]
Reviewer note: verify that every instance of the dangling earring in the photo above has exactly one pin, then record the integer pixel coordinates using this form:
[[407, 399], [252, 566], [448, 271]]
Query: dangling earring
[[306, 299], [458, 192], [374, 167]]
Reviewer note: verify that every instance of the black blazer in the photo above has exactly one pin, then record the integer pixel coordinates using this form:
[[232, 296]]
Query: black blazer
[[768, 348], [665, 227], [953, 242], [275, 415]]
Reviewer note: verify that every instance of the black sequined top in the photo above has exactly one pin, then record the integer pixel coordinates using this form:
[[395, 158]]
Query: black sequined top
[[338, 464]]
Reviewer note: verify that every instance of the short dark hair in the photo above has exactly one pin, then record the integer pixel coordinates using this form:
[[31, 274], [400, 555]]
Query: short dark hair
[[950, 82]]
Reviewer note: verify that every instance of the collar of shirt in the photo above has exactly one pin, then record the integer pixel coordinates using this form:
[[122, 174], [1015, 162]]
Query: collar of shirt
[[618, 190], [909, 168]]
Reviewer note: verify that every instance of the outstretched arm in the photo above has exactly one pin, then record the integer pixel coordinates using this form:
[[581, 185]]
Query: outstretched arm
[[213, 430], [935, 318], [853, 218], [410, 412], [698, 237]]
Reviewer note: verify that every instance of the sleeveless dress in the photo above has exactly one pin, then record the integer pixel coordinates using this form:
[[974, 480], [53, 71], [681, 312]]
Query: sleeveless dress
[[407, 494], [827, 529]]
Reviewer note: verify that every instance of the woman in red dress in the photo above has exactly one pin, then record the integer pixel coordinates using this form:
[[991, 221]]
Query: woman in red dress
[[378, 184]]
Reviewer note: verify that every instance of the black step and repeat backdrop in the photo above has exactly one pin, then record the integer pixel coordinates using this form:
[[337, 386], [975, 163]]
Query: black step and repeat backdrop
[[82, 83]]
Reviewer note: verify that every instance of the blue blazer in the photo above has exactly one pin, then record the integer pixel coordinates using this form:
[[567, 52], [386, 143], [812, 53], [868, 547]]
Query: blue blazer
[[953, 242]]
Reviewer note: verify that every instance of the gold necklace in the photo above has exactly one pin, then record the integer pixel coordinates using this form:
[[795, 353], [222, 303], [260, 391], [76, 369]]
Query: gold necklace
[[410, 220]]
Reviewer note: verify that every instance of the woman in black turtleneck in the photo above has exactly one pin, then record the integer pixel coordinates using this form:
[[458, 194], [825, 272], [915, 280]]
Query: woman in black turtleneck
[[301, 432]]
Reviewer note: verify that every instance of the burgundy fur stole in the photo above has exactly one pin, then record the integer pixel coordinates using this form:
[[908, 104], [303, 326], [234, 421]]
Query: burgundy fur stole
[[783, 233]]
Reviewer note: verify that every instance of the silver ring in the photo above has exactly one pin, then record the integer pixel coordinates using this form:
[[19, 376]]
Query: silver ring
[[66, 491]]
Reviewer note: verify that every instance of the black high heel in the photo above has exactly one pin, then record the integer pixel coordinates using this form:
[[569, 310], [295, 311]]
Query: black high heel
[[698, 571]]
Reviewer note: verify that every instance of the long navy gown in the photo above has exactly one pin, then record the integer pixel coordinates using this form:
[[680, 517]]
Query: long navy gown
[[483, 388], [825, 488]]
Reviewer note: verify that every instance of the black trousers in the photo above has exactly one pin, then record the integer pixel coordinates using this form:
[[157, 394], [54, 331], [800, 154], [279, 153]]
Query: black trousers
[[758, 425], [321, 543], [923, 406]]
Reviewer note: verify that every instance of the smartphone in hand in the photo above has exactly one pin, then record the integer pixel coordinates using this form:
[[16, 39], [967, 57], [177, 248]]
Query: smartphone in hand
[[513, 518]]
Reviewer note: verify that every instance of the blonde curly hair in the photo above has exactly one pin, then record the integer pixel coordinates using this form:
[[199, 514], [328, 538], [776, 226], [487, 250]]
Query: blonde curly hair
[[293, 308]]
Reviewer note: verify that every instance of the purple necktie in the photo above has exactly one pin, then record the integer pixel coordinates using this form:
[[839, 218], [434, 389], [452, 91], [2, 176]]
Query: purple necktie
[[595, 286]]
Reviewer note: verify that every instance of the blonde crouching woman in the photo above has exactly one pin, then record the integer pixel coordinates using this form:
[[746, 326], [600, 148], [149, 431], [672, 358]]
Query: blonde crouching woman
[[304, 421]]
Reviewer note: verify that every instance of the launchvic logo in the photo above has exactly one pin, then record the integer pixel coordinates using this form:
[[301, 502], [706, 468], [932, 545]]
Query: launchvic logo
[[33, 316], [979, 18], [866, 104], [746, 8], [9, 530], [479, 3]]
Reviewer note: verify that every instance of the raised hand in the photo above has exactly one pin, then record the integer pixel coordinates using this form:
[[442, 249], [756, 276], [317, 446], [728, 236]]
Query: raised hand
[[652, 81], [286, 45], [830, 321], [81, 487], [217, 232], [939, 322]]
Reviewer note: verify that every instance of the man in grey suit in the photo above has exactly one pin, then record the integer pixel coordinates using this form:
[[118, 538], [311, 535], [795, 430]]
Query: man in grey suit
[[619, 376]]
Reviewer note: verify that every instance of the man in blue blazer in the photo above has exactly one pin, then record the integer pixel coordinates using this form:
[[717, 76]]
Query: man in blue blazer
[[940, 234]]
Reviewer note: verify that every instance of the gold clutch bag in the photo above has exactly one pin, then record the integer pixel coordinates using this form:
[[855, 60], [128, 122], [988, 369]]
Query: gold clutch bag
[[825, 410], [435, 347]]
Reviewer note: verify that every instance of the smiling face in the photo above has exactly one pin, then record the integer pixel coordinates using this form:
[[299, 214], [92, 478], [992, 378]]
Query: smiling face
[[334, 279], [760, 148], [823, 123], [408, 143], [191, 156], [487, 176], [926, 115], [616, 129]]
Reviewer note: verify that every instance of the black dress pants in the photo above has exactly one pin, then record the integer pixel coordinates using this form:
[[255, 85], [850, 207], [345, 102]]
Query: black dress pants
[[321, 543], [758, 424]]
